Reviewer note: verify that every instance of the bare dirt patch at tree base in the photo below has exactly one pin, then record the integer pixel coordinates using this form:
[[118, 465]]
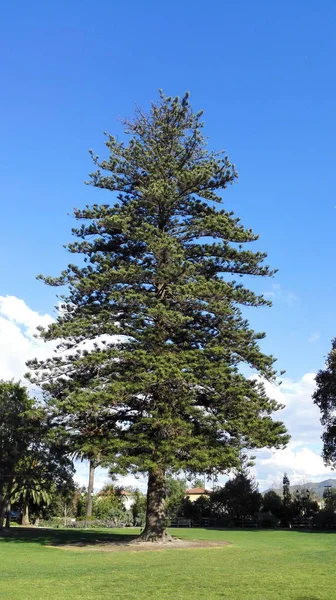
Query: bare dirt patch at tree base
[[135, 546]]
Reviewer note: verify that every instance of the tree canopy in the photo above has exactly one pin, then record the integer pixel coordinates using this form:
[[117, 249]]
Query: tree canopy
[[239, 498], [19, 420], [325, 398], [32, 462], [157, 290]]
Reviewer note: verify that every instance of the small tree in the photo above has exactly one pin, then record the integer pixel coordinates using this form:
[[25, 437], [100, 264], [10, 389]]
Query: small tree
[[156, 269], [304, 505], [19, 422], [81, 502], [287, 501], [107, 504], [197, 482], [81, 435], [198, 509], [326, 516], [329, 497], [286, 494], [138, 508], [175, 490], [272, 503], [239, 498], [63, 503], [325, 398], [43, 471]]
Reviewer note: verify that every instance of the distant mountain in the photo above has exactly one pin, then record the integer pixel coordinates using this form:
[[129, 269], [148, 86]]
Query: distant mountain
[[314, 486]]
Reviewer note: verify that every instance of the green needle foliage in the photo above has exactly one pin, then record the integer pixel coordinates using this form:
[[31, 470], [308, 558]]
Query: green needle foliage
[[325, 398], [160, 257]]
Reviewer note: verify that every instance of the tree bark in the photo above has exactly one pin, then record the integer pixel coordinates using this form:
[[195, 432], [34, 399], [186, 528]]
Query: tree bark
[[155, 528], [5, 494], [2, 513], [25, 513], [8, 515], [88, 512]]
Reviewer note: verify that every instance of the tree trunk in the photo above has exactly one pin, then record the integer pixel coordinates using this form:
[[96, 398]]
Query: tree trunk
[[5, 494], [88, 512], [8, 515], [155, 529], [25, 513], [2, 513]]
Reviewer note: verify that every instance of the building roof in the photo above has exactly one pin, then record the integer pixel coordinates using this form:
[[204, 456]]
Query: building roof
[[197, 490]]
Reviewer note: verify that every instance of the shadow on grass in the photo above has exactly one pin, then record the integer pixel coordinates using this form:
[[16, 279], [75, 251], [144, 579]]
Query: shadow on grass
[[61, 537], [253, 529], [329, 531], [94, 537], [263, 529]]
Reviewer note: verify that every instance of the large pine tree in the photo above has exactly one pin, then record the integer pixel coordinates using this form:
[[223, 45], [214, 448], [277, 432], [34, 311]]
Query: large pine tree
[[160, 261]]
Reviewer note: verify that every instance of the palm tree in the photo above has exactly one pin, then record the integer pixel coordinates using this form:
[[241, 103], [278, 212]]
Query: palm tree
[[31, 490]]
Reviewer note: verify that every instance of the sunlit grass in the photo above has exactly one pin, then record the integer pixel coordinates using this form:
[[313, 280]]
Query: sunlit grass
[[259, 565]]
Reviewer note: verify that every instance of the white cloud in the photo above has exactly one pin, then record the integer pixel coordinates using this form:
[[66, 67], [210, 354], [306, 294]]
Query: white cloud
[[17, 311], [101, 478], [18, 325], [302, 457], [314, 337], [301, 415], [278, 293], [302, 461]]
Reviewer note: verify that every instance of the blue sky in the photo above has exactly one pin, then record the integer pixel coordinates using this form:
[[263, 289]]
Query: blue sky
[[264, 73]]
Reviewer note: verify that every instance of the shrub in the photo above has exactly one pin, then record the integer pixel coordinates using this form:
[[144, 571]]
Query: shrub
[[266, 520]]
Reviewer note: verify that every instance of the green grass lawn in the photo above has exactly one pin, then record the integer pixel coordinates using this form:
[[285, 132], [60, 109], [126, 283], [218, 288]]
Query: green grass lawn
[[259, 565]]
